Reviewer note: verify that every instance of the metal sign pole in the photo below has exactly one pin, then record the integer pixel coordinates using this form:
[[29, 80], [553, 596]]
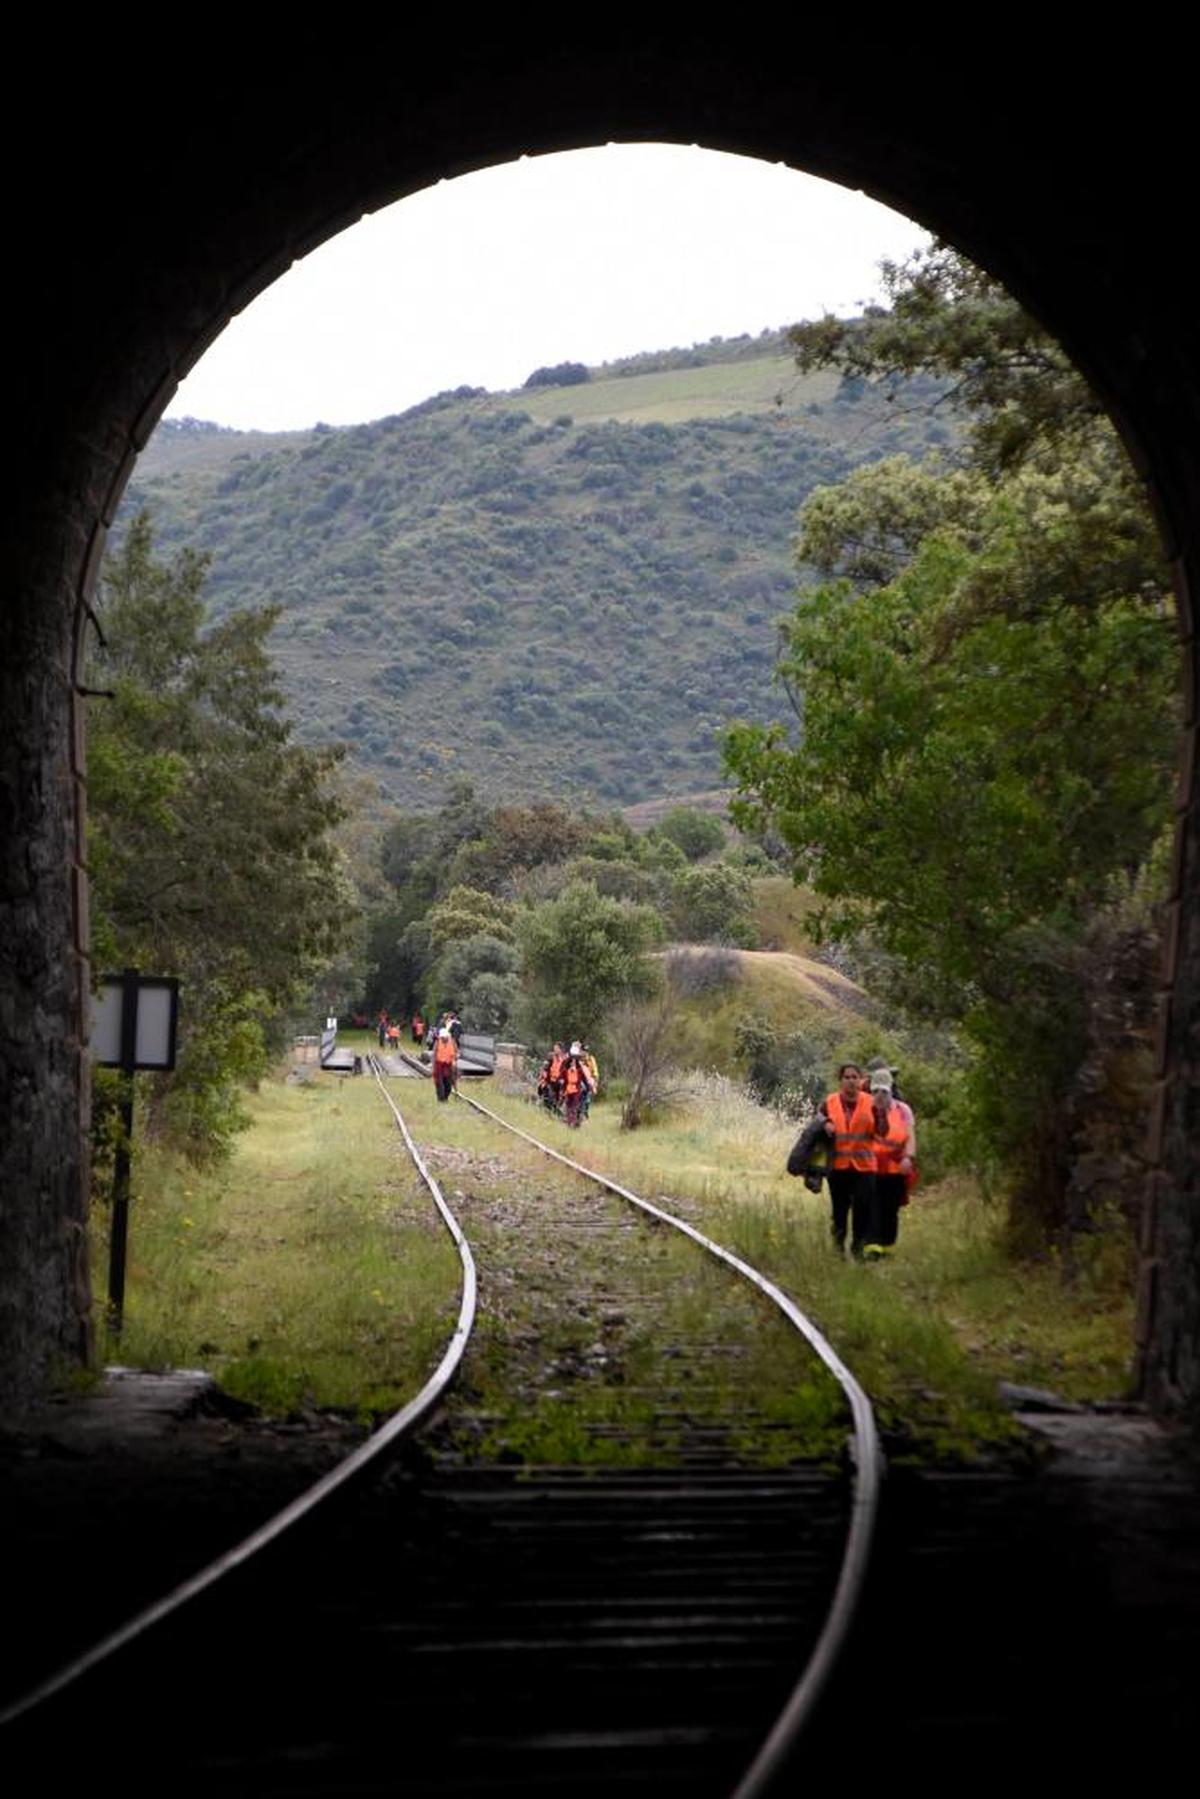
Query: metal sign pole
[[119, 1236]]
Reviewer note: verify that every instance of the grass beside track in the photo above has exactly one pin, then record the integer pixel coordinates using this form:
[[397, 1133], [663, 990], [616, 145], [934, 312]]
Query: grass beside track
[[930, 1333], [310, 1270], [584, 1350]]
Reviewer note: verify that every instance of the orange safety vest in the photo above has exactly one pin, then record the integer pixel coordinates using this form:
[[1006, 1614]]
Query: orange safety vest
[[890, 1145], [854, 1142], [444, 1052], [556, 1067], [573, 1077]]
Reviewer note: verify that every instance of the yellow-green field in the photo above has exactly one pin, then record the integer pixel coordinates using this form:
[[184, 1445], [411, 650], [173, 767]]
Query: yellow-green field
[[779, 989], [671, 396], [783, 914], [311, 1269]]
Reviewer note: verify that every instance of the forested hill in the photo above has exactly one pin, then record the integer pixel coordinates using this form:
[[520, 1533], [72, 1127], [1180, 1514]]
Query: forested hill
[[565, 587]]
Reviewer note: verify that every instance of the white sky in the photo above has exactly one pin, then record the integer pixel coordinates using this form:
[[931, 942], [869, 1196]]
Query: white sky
[[580, 257]]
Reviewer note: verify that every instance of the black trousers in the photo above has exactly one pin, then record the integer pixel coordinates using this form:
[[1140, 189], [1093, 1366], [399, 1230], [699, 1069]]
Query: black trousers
[[852, 1194], [889, 1197]]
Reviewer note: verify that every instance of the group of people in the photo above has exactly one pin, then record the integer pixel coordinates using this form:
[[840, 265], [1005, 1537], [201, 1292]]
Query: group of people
[[568, 1081], [863, 1142]]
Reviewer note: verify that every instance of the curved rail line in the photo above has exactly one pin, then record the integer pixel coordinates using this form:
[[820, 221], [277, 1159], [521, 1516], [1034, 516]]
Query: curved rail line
[[868, 1464], [337, 1477]]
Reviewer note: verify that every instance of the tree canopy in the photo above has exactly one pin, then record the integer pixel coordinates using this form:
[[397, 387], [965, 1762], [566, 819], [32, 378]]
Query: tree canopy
[[985, 681], [210, 847], [580, 955]]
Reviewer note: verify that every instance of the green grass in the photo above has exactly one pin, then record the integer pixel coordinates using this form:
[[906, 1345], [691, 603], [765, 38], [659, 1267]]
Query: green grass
[[930, 1333], [309, 1270], [573, 1360]]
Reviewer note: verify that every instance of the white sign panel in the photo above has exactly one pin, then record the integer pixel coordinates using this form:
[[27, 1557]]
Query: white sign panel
[[157, 1001], [156, 1026], [105, 1040]]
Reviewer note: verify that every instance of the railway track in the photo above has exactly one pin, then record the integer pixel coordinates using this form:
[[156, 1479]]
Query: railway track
[[649, 1600]]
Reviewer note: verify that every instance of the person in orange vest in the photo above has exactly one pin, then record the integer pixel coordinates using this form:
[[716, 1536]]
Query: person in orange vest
[[895, 1164], [576, 1084], [445, 1064], [850, 1123], [554, 1074], [418, 1028]]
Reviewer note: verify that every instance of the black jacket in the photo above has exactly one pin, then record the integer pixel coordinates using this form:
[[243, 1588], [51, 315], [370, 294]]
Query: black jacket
[[810, 1153]]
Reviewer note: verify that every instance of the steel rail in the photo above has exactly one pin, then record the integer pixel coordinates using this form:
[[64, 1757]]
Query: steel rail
[[868, 1465], [345, 1470]]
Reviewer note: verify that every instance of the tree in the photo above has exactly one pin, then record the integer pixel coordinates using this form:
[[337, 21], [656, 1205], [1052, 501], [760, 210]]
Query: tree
[[468, 912], [559, 374], [478, 976], [210, 843], [986, 693], [399, 956], [645, 1041], [515, 840], [581, 954], [948, 319], [710, 903], [697, 834]]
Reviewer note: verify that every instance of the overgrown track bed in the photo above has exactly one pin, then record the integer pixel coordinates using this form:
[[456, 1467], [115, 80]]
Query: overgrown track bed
[[604, 1567], [649, 1353]]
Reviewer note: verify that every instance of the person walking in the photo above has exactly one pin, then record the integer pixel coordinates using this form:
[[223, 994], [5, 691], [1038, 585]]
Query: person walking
[[593, 1068], [576, 1083], [554, 1074], [895, 1143], [445, 1064], [850, 1124]]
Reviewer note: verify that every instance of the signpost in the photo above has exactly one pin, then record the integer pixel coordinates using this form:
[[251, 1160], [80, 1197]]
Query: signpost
[[134, 1019]]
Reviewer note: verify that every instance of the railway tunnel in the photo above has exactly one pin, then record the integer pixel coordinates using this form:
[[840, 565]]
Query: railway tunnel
[[150, 200]]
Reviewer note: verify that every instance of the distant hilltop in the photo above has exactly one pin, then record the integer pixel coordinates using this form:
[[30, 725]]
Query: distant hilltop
[[556, 590]]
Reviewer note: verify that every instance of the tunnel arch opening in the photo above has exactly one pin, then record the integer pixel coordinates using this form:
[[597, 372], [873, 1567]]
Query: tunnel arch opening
[[202, 259]]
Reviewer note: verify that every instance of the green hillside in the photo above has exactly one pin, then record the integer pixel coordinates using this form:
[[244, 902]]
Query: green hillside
[[558, 589]]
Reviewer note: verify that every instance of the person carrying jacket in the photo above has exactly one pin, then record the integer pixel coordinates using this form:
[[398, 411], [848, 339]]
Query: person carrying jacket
[[850, 1127], [445, 1064]]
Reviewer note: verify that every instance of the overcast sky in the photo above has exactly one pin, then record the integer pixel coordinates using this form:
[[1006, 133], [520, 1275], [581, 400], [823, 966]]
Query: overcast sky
[[580, 257]]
